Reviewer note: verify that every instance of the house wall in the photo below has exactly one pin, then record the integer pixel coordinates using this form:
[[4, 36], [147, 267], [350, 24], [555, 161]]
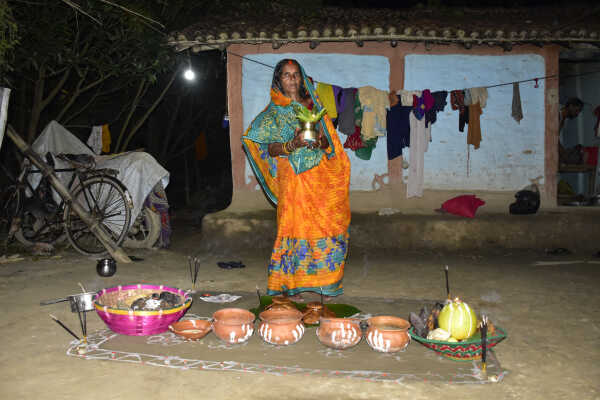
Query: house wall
[[498, 169]]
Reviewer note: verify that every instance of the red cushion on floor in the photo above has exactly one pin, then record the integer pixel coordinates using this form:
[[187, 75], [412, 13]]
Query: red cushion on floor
[[592, 153], [465, 205]]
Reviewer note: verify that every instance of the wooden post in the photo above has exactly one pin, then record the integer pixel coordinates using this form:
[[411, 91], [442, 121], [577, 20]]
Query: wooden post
[[115, 251]]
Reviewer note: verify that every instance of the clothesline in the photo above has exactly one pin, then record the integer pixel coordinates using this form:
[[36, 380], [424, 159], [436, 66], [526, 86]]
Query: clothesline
[[487, 87]]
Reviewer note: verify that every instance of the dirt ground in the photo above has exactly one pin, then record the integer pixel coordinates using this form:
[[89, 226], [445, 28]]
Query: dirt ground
[[549, 311]]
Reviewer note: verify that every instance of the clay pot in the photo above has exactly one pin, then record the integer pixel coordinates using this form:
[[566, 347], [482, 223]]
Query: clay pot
[[314, 311], [339, 333], [192, 329], [281, 327], [233, 325], [387, 334], [281, 303]]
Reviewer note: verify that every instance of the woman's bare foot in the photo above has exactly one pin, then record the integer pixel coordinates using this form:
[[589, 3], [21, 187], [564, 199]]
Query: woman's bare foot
[[297, 298]]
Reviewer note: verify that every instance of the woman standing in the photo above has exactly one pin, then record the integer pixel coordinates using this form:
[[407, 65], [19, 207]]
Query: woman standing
[[308, 182]]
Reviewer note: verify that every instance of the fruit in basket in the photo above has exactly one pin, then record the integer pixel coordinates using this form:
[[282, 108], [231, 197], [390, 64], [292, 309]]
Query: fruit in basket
[[458, 319], [439, 334]]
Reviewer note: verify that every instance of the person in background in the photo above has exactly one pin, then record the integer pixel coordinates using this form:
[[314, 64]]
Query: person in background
[[570, 110]]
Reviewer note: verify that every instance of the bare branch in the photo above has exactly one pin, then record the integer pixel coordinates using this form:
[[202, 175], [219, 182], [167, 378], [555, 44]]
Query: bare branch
[[77, 8], [132, 12], [149, 111]]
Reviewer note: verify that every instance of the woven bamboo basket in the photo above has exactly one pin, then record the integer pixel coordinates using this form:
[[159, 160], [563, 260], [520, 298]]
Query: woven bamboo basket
[[112, 305], [460, 351]]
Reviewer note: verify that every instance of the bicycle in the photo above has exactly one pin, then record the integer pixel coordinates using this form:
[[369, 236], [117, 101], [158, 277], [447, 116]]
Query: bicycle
[[40, 218]]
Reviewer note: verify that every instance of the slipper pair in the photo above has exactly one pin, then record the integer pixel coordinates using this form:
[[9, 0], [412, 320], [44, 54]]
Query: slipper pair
[[230, 264]]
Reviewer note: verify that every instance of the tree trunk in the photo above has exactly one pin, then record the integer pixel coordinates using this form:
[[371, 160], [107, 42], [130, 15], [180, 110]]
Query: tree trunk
[[148, 112], [134, 105]]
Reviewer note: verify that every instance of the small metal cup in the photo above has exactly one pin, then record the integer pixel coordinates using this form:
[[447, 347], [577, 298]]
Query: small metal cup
[[83, 300], [106, 267]]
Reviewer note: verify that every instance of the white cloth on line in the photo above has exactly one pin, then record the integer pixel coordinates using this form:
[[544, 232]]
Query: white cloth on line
[[419, 143], [95, 139]]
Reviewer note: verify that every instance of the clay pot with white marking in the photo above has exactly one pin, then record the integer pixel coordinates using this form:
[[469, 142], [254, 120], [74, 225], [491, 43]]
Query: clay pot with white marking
[[233, 325], [387, 334], [339, 333], [281, 327]]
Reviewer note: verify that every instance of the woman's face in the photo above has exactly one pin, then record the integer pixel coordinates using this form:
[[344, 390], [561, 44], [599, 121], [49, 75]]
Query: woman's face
[[291, 79]]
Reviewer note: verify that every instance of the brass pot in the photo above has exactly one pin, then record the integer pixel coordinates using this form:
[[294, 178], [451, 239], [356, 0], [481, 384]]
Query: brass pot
[[309, 134]]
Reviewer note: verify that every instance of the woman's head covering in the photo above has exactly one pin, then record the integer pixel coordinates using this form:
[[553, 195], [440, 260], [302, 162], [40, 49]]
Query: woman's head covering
[[276, 84]]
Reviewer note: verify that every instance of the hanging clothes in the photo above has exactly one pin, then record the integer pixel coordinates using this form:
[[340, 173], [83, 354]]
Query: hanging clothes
[[406, 96], [375, 104], [95, 139], [106, 140], [393, 98], [325, 93], [339, 99], [467, 97], [517, 110], [479, 95], [354, 141], [423, 104], [346, 121], [365, 152], [439, 103], [474, 131], [457, 101], [201, 147], [419, 143], [398, 130]]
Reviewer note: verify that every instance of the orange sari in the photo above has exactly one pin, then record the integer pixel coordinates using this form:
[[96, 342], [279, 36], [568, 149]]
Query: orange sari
[[313, 211]]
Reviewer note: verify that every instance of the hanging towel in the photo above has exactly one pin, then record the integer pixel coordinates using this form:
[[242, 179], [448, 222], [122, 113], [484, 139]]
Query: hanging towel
[[105, 139], [440, 101], [346, 122], [95, 139], [398, 130], [474, 131], [479, 95], [325, 92], [457, 101], [406, 96], [375, 104], [517, 110], [419, 142]]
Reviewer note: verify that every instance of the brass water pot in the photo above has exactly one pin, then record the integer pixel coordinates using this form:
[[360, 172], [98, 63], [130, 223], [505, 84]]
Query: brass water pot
[[309, 133]]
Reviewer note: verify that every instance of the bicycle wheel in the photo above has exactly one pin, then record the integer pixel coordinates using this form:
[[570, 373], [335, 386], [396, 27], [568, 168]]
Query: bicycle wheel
[[144, 232], [11, 203], [107, 200]]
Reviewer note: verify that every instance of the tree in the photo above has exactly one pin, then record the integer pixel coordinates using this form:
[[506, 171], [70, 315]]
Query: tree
[[73, 56]]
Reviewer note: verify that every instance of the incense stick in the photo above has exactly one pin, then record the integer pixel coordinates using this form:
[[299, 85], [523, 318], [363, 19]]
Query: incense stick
[[65, 328], [447, 283], [196, 268], [484, 326], [321, 289], [259, 298]]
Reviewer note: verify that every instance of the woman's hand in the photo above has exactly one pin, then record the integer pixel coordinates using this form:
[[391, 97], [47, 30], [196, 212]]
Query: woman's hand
[[321, 141], [298, 141]]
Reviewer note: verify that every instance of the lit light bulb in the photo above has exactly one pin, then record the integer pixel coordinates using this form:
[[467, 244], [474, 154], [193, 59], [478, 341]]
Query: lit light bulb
[[189, 74]]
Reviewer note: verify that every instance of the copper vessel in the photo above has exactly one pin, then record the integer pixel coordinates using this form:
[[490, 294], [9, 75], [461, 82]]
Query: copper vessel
[[339, 333], [387, 334], [233, 325], [281, 327]]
